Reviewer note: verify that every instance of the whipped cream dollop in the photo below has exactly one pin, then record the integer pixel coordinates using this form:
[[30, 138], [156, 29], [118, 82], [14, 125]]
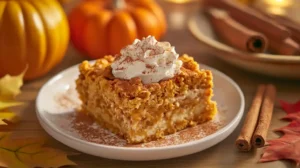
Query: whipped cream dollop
[[148, 59]]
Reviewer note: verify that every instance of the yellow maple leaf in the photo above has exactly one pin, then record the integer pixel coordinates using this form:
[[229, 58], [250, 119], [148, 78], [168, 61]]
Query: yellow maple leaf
[[5, 105], [8, 117], [10, 86], [29, 153], [9, 89], [25, 152]]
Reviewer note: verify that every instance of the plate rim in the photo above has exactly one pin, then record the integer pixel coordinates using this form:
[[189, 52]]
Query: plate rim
[[58, 75]]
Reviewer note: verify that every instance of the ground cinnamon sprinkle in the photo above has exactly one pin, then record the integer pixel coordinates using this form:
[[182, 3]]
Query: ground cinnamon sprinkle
[[150, 66], [67, 99], [122, 68], [128, 60], [80, 125]]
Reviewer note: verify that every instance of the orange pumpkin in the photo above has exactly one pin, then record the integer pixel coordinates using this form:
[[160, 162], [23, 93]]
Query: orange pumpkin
[[33, 33], [100, 27]]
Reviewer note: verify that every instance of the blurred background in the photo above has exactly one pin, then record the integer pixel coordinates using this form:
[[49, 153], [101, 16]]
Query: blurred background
[[65, 32]]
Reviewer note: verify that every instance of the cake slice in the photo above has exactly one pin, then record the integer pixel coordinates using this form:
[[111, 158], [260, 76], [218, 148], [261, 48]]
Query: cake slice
[[141, 109]]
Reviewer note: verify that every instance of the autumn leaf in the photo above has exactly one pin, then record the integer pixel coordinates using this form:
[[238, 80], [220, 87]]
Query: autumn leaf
[[29, 153], [293, 127], [5, 105], [8, 117], [290, 108], [292, 116], [9, 89], [10, 86], [25, 152], [287, 146]]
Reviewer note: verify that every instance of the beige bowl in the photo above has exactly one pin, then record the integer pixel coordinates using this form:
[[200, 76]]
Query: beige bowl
[[268, 64]]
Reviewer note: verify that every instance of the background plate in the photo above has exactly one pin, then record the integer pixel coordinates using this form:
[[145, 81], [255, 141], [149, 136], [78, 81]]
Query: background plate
[[282, 66]]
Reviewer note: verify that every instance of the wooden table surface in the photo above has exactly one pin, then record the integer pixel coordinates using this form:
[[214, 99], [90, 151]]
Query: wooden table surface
[[223, 154]]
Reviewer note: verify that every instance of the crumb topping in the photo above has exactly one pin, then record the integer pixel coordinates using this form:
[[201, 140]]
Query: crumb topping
[[189, 76]]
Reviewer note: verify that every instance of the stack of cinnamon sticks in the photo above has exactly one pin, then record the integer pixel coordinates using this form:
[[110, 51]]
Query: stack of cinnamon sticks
[[252, 30], [258, 119]]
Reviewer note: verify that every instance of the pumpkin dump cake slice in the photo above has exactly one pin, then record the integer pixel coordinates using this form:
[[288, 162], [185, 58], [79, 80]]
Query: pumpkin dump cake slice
[[146, 92]]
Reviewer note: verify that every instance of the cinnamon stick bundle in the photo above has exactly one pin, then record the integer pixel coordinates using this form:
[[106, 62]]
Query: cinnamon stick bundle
[[258, 119], [236, 34], [250, 18], [243, 142]]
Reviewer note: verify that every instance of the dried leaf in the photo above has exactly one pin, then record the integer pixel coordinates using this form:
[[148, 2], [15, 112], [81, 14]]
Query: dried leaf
[[292, 128], [10, 86], [292, 116], [8, 117], [26, 152], [290, 108], [5, 105], [29, 152], [287, 146]]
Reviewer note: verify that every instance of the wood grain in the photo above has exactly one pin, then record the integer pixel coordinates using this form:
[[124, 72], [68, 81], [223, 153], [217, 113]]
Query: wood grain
[[223, 154]]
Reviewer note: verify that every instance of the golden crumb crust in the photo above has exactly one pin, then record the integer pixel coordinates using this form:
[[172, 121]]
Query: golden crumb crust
[[190, 77], [130, 108]]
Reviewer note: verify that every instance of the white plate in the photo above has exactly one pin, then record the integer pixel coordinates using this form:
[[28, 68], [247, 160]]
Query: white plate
[[51, 111]]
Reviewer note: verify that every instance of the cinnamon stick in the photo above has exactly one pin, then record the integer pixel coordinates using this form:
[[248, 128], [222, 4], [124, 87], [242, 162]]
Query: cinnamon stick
[[236, 35], [292, 26], [260, 134], [243, 142], [285, 47], [250, 18], [289, 46]]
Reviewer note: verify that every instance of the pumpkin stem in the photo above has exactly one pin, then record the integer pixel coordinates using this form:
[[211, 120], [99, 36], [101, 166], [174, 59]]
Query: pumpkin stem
[[119, 4]]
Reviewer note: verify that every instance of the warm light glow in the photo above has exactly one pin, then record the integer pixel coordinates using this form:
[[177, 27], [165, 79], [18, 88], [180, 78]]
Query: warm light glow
[[177, 20], [180, 1], [276, 10], [286, 8], [279, 3], [276, 7]]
